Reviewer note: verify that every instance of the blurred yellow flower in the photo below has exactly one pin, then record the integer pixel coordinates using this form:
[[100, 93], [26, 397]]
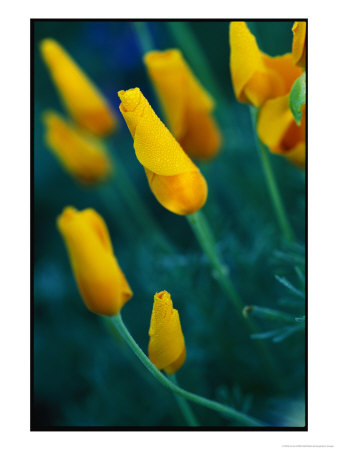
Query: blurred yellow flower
[[82, 155], [299, 43], [278, 129], [173, 178], [166, 345], [187, 105], [99, 278], [256, 76], [82, 99]]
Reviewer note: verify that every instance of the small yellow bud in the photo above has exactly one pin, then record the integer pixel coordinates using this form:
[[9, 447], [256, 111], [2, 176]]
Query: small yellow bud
[[299, 43], [278, 130], [257, 77], [166, 345], [173, 178], [187, 105], [99, 278], [82, 155], [83, 100]]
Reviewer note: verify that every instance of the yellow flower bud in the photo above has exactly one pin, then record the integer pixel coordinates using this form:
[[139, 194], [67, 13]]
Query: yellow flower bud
[[299, 43], [99, 278], [186, 103], [82, 155], [278, 129], [173, 178], [257, 77], [166, 345], [82, 99]]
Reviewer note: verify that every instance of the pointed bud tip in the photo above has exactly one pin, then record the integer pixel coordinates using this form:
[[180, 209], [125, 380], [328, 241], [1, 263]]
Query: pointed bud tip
[[130, 99]]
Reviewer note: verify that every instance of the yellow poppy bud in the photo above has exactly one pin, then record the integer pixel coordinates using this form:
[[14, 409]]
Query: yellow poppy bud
[[166, 345], [299, 43], [82, 99], [186, 104], [82, 155], [99, 278], [173, 178], [257, 77], [278, 129]]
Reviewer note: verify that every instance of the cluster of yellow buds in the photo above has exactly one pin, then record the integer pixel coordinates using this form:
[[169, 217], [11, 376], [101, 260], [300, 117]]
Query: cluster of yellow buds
[[74, 142], [174, 179], [105, 289], [264, 81]]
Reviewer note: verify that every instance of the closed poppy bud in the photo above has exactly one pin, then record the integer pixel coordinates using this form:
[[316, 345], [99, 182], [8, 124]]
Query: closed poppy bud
[[166, 345], [299, 43], [173, 178], [100, 280], [278, 129], [187, 105], [82, 99], [82, 155], [257, 77]]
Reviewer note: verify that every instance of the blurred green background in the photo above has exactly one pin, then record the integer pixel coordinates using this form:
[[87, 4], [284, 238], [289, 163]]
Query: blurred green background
[[82, 375]]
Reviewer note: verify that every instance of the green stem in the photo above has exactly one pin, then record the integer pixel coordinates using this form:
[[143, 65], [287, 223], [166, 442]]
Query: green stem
[[187, 41], [271, 183], [208, 244], [145, 39], [184, 406], [136, 205], [207, 241], [228, 412]]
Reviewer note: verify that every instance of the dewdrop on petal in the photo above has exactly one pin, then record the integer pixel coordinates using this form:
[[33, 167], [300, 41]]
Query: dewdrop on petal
[[173, 178], [166, 345]]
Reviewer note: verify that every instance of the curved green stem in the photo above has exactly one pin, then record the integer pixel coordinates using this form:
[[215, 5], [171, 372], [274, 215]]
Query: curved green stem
[[184, 406], [227, 411], [145, 39], [271, 183], [206, 239]]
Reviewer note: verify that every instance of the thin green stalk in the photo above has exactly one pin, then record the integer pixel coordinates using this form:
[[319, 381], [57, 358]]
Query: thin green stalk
[[227, 411], [184, 406], [271, 183], [208, 244], [145, 39], [136, 205], [207, 241], [187, 41]]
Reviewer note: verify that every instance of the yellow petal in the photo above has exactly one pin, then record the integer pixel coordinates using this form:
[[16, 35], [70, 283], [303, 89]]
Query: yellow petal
[[100, 280], [83, 100], [256, 76], [155, 147], [278, 130], [186, 103], [82, 155], [174, 179], [166, 344], [245, 62], [181, 194], [283, 73], [299, 43]]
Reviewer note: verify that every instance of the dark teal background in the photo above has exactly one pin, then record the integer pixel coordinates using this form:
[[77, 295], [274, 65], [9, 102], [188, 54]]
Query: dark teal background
[[82, 375]]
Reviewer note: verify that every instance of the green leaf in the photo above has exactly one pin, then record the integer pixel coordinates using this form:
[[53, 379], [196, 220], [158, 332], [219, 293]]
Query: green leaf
[[297, 97]]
